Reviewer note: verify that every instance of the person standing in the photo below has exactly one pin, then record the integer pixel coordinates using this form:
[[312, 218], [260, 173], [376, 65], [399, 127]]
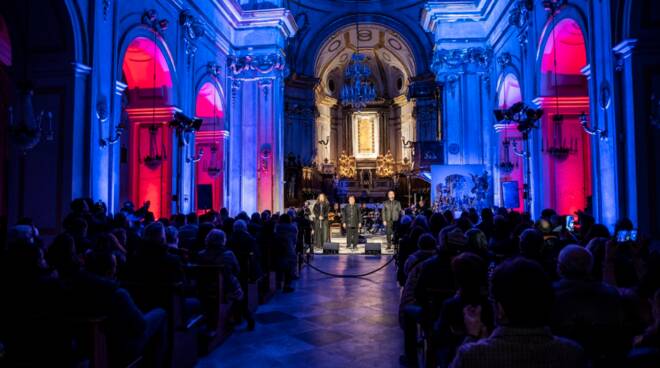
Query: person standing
[[351, 222], [391, 213], [320, 210]]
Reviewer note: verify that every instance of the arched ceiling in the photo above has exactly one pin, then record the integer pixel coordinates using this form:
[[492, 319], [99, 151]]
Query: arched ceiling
[[389, 56]]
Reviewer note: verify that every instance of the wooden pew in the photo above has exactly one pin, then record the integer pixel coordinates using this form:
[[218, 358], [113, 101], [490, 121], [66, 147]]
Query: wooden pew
[[267, 286], [209, 286], [430, 313], [182, 329], [91, 341]]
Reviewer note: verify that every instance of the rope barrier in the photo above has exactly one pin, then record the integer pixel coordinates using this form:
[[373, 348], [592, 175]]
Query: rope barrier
[[306, 260]]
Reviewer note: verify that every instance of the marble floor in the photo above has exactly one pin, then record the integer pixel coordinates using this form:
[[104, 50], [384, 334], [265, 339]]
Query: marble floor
[[326, 322]]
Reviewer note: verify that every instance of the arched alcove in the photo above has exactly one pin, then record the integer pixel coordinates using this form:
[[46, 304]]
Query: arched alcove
[[509, 166], [210, 169], [146, 172], [566, 161]]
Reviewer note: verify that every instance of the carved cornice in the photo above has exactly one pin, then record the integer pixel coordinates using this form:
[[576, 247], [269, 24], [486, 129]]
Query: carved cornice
[[461, 60], [257, 66]]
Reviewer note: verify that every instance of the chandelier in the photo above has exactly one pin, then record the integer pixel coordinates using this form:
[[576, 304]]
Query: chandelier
[[507, 166], [357, 91]]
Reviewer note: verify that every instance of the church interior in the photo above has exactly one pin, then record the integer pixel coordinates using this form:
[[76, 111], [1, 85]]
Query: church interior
[[319, 183]]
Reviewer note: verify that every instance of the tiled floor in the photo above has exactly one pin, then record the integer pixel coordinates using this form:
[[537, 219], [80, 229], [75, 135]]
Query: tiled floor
[[326, 322]]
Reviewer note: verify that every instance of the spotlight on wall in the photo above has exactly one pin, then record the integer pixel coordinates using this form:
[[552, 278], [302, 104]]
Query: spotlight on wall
[[184, 123], [520, 114]]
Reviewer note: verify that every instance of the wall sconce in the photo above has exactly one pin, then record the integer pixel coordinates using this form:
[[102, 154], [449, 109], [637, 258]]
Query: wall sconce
[[102, 116], [196, 158], [601, 133]]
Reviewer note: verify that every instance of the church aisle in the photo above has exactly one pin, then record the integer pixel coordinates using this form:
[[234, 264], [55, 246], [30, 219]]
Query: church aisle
[[326, 322]]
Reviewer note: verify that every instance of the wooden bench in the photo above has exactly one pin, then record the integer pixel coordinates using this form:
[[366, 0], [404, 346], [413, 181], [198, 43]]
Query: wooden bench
[[182, 329], [209, 287]]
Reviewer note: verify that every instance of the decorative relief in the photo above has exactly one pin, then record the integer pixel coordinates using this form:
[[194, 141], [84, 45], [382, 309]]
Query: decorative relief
[[193, 28], [150, 19], [519, 13], [214, 69], [251, 66], [445, 60], [504, 59]]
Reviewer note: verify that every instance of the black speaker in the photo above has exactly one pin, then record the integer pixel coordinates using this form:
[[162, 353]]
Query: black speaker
[[204, 196], [372, 248], [330, 248]]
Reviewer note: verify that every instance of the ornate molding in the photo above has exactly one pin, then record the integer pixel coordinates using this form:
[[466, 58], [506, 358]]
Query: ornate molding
[[214, 69], [150, 19], [465, 59], [519, 13], [257, 66], [505, 59], [106, 6], [193, 28]]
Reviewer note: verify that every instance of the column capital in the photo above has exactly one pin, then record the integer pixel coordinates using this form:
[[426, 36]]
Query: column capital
[[161, 115], [120, 87], [625, 47], [212, 134], [80, 69]]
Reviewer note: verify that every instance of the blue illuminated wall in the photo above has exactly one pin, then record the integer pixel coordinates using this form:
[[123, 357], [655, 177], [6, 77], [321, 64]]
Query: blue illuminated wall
[[262, 53]]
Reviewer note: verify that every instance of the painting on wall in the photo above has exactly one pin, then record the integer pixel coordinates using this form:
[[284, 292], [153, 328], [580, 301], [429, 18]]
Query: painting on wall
[[459, 187], [365, 135]]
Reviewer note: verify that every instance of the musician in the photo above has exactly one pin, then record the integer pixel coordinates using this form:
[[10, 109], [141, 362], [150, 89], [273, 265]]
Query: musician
[[391, 214], [321, 228], [351, 221]]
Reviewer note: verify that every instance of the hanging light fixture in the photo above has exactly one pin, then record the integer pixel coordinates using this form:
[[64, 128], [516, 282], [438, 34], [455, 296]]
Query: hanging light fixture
[[154, 159], [214, 167], [358, 91], [26, 133], [557, 147]]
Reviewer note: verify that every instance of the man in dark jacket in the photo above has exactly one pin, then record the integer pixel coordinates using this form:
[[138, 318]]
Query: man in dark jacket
[[391, 213], [351, 221], [246, 250]]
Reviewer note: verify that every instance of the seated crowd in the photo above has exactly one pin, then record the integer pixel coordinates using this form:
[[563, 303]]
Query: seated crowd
[[501, 290], [481, 290], [122, 270]]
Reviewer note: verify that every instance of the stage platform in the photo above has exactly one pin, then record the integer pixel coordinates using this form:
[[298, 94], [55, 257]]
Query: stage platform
[[381, 239]]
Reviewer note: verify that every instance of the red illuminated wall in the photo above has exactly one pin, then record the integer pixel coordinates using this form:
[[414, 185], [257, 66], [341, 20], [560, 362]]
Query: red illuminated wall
[[208, 107], [509, 94], [567, 182], [149, 84]]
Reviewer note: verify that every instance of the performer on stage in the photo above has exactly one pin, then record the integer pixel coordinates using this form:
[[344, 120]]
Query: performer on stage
[[391, 213], [320, 210], [351, 221]]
